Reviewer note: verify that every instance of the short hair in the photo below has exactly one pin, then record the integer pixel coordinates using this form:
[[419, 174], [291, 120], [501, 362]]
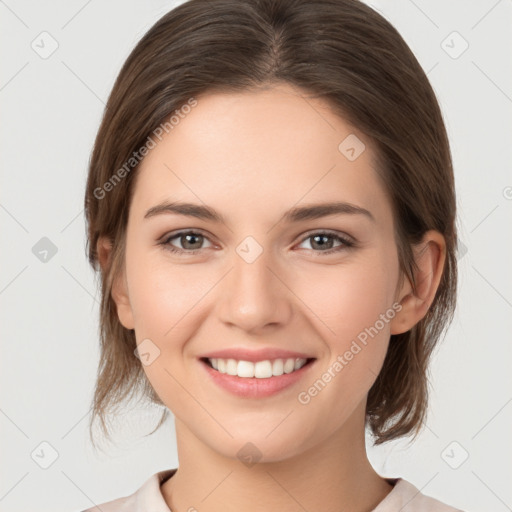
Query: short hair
[[341, 51]]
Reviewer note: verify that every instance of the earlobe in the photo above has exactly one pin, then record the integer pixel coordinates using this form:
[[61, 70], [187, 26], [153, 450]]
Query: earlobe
[[430, 255], [119, 290]]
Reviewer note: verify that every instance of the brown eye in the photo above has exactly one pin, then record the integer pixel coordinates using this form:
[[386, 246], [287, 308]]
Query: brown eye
[[324, 242], [189, 242]]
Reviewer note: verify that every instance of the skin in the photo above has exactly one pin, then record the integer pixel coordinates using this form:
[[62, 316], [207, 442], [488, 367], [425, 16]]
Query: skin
[[252, 156]]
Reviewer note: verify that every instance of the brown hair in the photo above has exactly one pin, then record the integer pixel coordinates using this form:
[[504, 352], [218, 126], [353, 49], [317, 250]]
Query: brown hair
[[341, 51]]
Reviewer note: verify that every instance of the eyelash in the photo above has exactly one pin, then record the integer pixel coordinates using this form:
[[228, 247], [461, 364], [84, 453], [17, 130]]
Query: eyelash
[[346, 242]]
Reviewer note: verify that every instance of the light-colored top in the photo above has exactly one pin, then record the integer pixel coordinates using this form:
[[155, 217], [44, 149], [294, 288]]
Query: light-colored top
[[404, 497]]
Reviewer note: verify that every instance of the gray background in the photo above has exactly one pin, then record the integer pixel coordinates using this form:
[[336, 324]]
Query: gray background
[[51, 109]]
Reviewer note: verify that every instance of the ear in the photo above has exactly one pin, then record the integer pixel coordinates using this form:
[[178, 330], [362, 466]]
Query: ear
[[119, 286], [430, 256]]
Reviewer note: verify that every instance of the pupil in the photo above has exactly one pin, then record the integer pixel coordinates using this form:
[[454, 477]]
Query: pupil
[[187, 237], [322, 237]]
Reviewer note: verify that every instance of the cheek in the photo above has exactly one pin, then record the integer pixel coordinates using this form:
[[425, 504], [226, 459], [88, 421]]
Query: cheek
[[352, 308], [163, 294], [356, 351], [347, 299], [166, 302]]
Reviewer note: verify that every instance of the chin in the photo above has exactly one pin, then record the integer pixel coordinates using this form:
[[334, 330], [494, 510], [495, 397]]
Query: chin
[[258, 447]]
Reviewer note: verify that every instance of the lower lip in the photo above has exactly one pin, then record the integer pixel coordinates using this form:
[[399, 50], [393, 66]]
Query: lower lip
[[253, 387]]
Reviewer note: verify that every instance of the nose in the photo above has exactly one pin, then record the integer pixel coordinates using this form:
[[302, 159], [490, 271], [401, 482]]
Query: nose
[[255, 295]]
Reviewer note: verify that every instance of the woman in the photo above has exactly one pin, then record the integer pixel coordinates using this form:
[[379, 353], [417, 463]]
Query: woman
[[271, 205]]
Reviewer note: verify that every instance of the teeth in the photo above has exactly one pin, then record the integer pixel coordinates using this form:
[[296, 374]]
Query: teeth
[[231, 367], [278, 367], [289, 366], [260, 370]]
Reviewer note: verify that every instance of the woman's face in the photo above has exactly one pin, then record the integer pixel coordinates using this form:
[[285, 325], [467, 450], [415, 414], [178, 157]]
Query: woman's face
[[260, 274]]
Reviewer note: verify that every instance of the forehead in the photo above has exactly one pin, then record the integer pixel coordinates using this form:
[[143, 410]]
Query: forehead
[[275, 147]]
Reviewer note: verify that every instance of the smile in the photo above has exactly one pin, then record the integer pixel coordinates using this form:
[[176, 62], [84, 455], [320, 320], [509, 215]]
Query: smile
[[256, 380], [259, 370]]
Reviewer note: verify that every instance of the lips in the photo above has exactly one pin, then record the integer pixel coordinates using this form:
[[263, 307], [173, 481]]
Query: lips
[[256, 373]]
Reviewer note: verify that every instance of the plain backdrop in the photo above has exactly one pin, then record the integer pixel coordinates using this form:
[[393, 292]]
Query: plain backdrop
[[51, 109]]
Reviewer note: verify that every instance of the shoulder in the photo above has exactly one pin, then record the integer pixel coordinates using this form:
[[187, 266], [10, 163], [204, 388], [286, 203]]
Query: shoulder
[[407, 498], [147, 497]]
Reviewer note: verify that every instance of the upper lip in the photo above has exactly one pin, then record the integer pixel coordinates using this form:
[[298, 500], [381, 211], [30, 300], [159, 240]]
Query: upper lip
[[244, 354]]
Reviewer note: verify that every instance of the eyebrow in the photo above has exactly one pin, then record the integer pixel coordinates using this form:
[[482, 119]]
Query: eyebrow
[[296, 214]]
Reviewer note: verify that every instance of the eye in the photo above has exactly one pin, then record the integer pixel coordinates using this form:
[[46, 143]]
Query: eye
[[322, 242], [191, 242]]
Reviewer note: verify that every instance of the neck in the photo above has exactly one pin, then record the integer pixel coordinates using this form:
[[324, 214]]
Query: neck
[[331, 476]]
